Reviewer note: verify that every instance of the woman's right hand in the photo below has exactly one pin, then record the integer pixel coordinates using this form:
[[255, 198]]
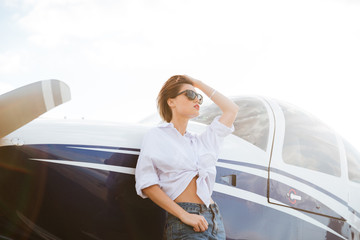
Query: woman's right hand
[[198, 222], [157, 195], [194, 81]]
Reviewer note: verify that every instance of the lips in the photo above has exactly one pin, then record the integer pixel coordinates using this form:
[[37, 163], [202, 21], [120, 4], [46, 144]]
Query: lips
[[197, 106]]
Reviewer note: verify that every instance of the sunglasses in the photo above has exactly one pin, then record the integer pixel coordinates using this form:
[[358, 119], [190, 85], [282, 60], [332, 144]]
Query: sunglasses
[[191, 95]]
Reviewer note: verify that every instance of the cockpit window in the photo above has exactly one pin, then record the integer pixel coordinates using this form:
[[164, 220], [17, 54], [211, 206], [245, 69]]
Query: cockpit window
[[309, 143], [353, 159], [251, 124]]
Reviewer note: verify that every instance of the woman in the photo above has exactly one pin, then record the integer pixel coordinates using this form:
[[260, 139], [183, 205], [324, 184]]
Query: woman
[[176, 169]]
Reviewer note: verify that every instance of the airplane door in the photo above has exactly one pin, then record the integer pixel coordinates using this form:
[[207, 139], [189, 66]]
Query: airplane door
[[241, 180], [306, 166]]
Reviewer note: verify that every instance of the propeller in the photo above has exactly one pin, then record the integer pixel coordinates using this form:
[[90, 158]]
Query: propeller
[[24, 104]]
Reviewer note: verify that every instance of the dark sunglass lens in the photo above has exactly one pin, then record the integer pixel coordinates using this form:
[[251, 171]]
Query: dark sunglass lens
[[190, 94]]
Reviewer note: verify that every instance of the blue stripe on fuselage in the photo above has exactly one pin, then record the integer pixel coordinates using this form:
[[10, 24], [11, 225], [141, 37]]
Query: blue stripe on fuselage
[[289, 176], [74, 152]]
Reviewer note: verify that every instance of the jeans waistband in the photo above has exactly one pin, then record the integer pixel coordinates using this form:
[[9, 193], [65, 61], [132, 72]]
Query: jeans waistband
[[197, 206]]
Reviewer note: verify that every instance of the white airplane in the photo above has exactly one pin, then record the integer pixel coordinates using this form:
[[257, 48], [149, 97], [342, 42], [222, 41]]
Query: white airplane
[[282, 175]]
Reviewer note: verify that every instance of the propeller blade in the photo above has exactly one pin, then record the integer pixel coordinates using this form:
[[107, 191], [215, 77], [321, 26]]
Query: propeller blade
[[24, 104]]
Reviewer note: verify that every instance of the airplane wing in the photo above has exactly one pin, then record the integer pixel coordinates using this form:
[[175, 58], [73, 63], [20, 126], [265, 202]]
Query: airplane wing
[[24, 104]]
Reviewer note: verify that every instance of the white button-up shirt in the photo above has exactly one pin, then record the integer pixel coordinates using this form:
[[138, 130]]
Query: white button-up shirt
[[172, 160]]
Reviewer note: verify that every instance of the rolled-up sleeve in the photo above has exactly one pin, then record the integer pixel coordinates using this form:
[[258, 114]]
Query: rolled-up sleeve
[[220, 129], [214, 134], [145, 174]]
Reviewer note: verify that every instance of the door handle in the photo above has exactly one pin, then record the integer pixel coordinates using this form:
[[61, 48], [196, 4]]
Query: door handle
[[293, 197]]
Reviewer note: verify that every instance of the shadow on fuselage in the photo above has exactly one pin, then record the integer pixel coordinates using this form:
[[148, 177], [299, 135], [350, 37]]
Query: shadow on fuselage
[[68, 202]]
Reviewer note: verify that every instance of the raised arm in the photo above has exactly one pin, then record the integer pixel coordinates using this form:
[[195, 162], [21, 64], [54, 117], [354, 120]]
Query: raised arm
[[228, 107]]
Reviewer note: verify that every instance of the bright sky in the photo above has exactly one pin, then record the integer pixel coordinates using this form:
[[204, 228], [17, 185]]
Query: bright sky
[[115, 55]]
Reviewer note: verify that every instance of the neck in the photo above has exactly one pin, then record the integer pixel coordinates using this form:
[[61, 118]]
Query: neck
[[180, 124]]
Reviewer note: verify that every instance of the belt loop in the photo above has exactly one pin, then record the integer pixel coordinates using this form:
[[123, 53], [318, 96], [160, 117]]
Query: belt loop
[[216, 208], [215, 227], [201, 208]]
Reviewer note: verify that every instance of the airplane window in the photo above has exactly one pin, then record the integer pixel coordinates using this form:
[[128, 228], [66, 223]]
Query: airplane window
[[353, 159], [251, 124], [309, 143]]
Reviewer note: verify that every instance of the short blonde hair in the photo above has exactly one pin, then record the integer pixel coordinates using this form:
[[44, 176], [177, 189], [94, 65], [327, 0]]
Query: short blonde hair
[[169, 90]]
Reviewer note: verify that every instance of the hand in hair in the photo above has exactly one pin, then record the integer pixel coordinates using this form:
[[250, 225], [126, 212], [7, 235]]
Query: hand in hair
[[195, 82]]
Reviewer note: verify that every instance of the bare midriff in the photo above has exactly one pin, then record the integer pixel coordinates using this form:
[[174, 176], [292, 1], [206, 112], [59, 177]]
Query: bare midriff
[[189, 194]]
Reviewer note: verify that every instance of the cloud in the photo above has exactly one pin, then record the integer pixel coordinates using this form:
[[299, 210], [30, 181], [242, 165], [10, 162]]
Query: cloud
[[303, 52], [5, 87], [53, 23], [10, 63]]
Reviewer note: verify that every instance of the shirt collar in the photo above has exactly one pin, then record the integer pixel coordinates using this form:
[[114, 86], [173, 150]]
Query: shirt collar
[[171, 125]]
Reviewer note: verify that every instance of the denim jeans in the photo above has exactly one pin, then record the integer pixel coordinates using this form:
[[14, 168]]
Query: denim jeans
[[175, 229]]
